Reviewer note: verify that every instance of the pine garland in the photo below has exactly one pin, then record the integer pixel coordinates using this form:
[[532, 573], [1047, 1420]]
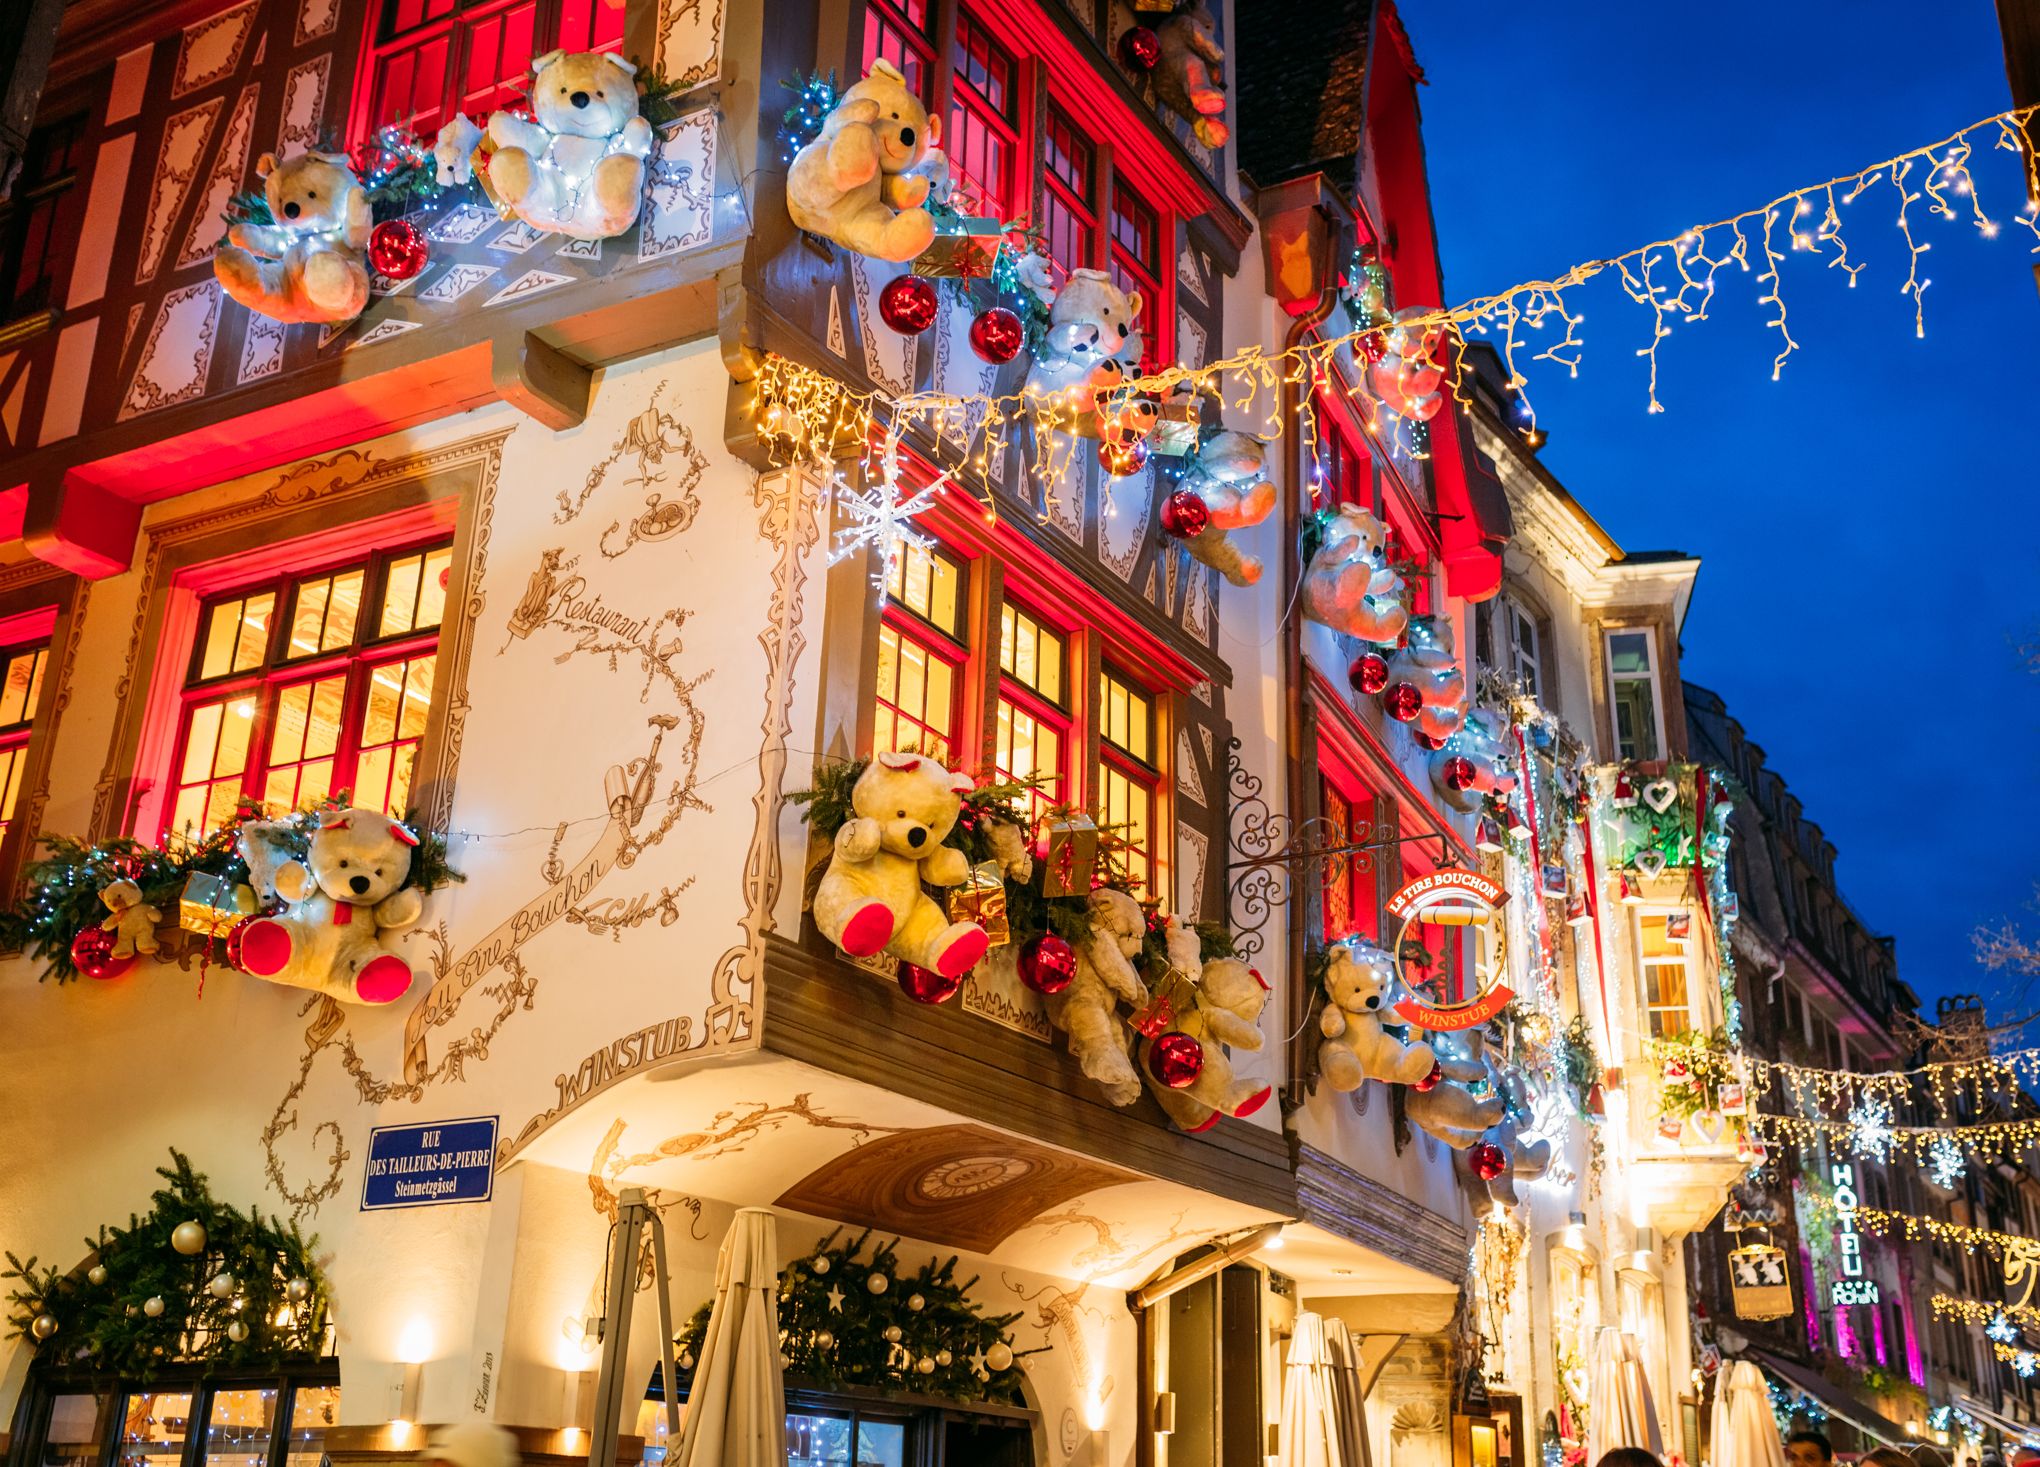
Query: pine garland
[[277, 1299], [814, 97], [834, 1330], [60, 891]]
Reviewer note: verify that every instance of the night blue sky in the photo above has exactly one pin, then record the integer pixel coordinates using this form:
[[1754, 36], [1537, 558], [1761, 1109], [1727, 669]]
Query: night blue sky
[[1869, 525]]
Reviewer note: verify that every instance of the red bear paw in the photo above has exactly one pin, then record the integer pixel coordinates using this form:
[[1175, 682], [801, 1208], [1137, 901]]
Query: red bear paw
[[962, 955], [384, 980], [1254, 1102], [265, 947], [869, 929], [1209, 1121]]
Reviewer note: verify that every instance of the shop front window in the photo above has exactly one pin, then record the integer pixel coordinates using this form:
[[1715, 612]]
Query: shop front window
[[187, 1420]]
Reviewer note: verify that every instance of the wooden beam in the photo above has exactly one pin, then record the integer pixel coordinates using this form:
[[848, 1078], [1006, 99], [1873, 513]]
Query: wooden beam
[[542, 381]]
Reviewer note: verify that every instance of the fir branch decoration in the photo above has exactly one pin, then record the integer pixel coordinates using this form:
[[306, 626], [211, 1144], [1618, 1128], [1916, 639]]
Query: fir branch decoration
[[276, 1303], [659, 96], [834, 1328]]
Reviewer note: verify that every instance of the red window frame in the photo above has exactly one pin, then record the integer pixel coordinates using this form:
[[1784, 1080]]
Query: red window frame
[[1143, 862], [937, 644], [427, 59], [16, 732], [899, 31], [266, 682], [1140, 258], [1345, 464], [1350, 884], [984, 138], [1055, 715], [1069, 211]]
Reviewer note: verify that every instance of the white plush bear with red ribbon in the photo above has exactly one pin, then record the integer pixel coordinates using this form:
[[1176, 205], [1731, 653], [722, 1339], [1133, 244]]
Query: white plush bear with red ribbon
[[345, 900]]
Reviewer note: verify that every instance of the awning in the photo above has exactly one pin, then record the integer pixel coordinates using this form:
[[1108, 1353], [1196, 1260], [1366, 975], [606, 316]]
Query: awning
[[1838, 1401], [2011, 1430]]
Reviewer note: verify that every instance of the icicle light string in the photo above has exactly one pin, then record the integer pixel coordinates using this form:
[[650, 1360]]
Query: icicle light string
[[1949, 1083], [805, 413]]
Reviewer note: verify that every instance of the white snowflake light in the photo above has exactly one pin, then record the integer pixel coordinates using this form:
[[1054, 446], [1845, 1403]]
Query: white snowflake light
[[2026, 1363], [1870, 1130], [880, 515], [1946, 1164], [2001, 1329]]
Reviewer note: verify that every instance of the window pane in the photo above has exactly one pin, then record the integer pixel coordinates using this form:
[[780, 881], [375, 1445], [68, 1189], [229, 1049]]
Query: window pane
[[307, 624], [23, 683], [154, 1428], [252, 638], [400, 596], [221, 633], [313, 1411], [73, 1438], [393, 720], [1635, 719], [342, 612], [915, 696], [238, 1426], [817, 1441], [201, 739], [432, 592], [881, 1444], [237, 729], [1026, 748], [1629, 654], [1030, 652], [12, 761], [287, 736]]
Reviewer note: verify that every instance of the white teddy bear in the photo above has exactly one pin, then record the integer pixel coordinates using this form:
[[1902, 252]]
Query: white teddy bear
[[306, 264], [861, 181], [1349, 584], [1472, 764], [1228, 473], [1428, 663], [871, 899], [578, 166], [1087, 1008], [1359, 977], [1230, 997], [344, 899], [1451, 1111]]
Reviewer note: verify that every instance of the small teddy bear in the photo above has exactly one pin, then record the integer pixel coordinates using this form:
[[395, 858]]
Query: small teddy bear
[[578, 166], [860, 182], [1230, 997], [870, 899], [1228, 474], [1091, 342], [453, 151], [131, 919], [1470, 766], [1449, 1110], [1428, 663], [1188, 79], [1359, 977], [344, 899], [1411, 367], [1349, 584], [1087, 1008], [306, 264]]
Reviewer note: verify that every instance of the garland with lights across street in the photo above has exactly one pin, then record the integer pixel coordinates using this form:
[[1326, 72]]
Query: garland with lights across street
[[2000, 1321], [806, 415]]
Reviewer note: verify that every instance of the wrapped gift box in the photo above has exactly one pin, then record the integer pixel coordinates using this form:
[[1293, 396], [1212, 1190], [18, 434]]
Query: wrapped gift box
[[982, 899], [964, 248]]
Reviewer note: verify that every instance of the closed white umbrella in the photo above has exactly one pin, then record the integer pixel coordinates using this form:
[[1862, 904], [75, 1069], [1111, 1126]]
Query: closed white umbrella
[[1348, 1398], [1745, 1431], [1620, 1412], [1310, 1426], [736, 1411]]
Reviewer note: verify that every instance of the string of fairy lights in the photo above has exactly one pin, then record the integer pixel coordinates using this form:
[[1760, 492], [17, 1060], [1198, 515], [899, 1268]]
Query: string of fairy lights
[[805, 415]]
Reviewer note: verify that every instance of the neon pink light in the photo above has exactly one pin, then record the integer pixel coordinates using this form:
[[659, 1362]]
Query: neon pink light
[[1809, 1284], [1877, 1336], [1845, 1334], [1915, 1368]]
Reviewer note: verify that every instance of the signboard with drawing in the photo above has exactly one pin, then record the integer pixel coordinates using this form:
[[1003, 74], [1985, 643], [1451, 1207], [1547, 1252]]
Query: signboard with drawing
[[1450, 949]]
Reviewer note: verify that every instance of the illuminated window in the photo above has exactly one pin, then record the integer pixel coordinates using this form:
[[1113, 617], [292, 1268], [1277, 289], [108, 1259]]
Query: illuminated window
[[897, 31], [983, 137], [1352, 904], [433, 58], [1667, 996], [1031, 735], [1069, 217], [1126, 780], [308, 686], [921, 659], [20, 690], [1138, 259], [1633, 694]]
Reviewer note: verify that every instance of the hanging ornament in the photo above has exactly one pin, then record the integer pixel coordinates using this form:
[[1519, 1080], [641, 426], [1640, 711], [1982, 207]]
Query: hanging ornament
[[1402, 702], [1430, 1081], [821, 1263], [1368, 673], [925, 1365], [153, 1306], [892, 1334], [188, 1238], [1458, 772], [997, 335], [397, 249], [1140, 49], [999, 1357], [877, 1282], [686, 1360], [237, 1331], [1373, 347], [825, 1339], [924, 985], [1184, 515], [222, 1285], [1120, 459], [1176, 1060], [96, 1274], [298, 1290], [44, 1326], [1487, 1161], [1047, 964], [92, 954], [915, 1303], [908, 304]]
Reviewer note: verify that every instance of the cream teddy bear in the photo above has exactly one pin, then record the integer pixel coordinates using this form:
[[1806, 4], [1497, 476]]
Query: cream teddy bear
[[132, 919], [1450, 1111], [1230, 997], [871, 898], [345, 899], [1189, 78], [1349, 584], [860, 182], [306, 264], [1228, 474], [1428, 663], [1086, 1009], [1359, 977], [578, 167]]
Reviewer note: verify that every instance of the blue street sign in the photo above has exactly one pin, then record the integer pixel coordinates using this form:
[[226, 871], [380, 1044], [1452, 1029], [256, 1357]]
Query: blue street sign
[[420, 1166]]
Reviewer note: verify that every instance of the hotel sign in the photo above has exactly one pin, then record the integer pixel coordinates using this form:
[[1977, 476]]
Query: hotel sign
[[1851, 1287]]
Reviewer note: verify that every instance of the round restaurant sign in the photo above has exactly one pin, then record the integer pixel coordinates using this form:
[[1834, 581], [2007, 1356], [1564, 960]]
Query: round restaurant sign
[[1460, 911]]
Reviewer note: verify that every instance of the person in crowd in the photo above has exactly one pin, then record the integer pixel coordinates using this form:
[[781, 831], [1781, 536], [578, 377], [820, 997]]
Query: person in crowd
[[1628, 1457], [1886, 1457], [1809, 1449]]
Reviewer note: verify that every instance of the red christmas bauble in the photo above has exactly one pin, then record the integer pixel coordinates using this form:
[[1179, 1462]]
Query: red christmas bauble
[[1176, 1060], [1368, 673], [1372, 347], [1140, 49], [1184, 515], [923, 985], [908, 305], [397, 249], [1126, 457], [92, 952], [997, 335], [1425, 741], [1431, 1081], [1403, 702], [1487, 1161], [1048, 965], [234, 935], [1460, 773]]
